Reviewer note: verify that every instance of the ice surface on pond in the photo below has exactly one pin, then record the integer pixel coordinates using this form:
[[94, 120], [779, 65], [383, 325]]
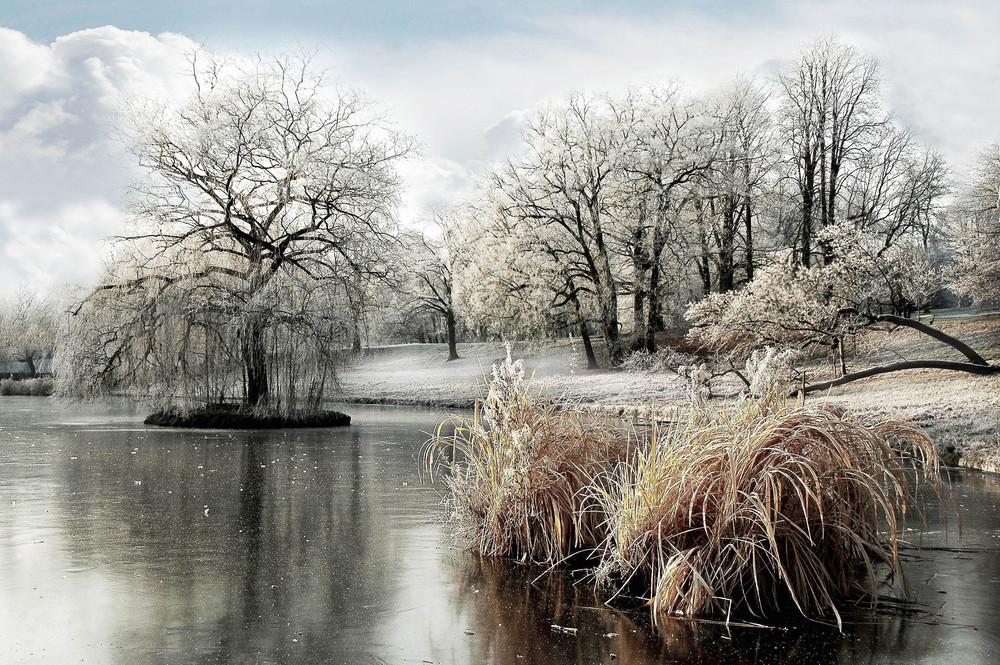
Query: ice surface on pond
[[314, 546]]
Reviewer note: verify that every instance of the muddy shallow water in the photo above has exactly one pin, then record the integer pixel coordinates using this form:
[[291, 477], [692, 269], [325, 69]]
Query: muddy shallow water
[[121, 543]]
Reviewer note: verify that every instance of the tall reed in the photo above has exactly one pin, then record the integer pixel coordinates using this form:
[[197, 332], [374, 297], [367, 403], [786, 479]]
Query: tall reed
[[519, 468], [766, 505]]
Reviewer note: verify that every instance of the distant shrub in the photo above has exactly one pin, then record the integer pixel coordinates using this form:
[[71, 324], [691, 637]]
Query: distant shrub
[[36, 387], [666, 359], [772, 370]]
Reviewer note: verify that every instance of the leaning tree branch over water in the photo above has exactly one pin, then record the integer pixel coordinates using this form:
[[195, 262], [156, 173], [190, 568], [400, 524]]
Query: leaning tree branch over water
[[921, 327]]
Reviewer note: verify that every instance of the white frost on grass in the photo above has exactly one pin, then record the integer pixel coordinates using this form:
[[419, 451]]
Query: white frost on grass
[[419, 374], [961, 412]]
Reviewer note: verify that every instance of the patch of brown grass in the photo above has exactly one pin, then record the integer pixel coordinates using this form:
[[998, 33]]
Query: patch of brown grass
[[519, 468], [766, 505]]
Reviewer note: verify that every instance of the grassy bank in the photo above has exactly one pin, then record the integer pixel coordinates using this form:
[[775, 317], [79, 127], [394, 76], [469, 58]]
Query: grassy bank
[[960, 412], [755, 508], [42, 386]]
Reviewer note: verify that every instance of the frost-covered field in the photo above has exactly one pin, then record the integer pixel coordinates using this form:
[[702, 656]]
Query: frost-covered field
[[961, 412], [418, 374]]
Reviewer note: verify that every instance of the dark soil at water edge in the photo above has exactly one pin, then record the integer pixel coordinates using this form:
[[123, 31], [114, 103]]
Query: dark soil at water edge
[[229, 417]]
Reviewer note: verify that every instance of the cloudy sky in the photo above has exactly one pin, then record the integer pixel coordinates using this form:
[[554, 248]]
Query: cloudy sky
[[458, 74]]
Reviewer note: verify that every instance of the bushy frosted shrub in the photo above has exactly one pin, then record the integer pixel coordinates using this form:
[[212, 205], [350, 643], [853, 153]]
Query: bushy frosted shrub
[[771, 370]]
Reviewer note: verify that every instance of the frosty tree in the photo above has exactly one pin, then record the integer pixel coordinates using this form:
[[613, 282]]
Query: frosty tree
[[734, 190], [563, 193], [28, 329], [862, 289], [435, 259], [671, 149], [267, 197], [976, 221]]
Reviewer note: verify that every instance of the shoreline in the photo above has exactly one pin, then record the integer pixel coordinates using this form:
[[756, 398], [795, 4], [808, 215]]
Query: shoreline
[[977, 454], [960, 413]]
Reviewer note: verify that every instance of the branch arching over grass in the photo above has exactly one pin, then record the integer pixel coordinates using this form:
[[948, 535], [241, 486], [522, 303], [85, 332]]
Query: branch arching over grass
[[981, 369], [976, 365], [954, 343]]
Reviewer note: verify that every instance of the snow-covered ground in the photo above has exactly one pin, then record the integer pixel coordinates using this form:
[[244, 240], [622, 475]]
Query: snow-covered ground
[[420, 374], [960, 411]]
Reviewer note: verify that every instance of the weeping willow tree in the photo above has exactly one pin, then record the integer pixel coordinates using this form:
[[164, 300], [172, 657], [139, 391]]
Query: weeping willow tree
[[267, 196]]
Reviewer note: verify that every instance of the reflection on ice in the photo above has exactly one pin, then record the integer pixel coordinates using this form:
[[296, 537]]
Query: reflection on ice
[[324, 546]]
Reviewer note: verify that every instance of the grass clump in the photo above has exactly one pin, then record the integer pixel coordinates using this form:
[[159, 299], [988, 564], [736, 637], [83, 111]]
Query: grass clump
[[767, 505], [42, 386], [519, 470]]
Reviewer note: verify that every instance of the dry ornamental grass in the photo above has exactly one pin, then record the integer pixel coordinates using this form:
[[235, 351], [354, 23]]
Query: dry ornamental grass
[[767, 505], [520, 468]]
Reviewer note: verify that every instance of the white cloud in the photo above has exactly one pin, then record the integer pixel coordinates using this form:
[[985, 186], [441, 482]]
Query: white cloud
[[49, 249], [63, 178], [431, 184], [504, 137], [940, 63], [26, 66]]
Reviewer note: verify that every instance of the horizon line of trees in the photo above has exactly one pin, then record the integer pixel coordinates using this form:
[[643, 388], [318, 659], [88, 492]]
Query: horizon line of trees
[[624, 209], [265, 245]]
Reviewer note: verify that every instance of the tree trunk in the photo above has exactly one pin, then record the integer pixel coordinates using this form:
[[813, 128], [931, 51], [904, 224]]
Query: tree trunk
[[607, 301], [807, 190], [727, 246], [609, 326], [588, 346], [705, 272], [640, 267], [255, 364], [953, 342], [452, 337], [32, 373], [639, 313], [748, 230], [654, 315], [953, 365]]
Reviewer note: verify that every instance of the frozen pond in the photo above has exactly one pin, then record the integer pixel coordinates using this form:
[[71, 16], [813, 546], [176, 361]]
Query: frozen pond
[[125, 544]]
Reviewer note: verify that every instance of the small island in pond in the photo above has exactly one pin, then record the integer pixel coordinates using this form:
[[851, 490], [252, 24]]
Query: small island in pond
[[232, 416]]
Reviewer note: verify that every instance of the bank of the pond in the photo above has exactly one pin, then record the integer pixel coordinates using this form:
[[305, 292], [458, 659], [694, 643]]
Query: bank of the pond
[[960, 412]]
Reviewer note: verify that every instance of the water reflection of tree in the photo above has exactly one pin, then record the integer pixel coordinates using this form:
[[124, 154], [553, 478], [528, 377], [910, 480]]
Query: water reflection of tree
[[291, 550], [249, 522], [307, 570]]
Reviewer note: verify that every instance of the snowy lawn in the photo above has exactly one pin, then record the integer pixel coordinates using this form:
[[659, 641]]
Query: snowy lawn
[[961, 412]]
